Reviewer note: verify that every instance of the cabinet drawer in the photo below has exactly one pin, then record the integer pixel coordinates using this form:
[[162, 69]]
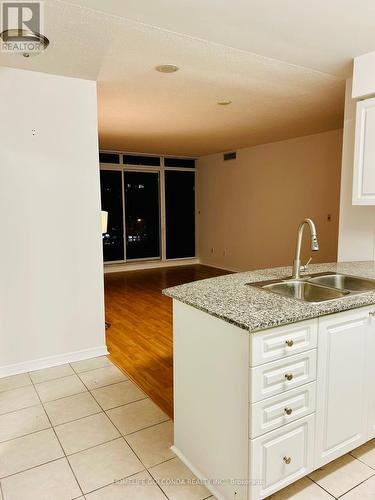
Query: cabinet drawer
[[282, 409], [279, 376], [283, 341], [281, 457]]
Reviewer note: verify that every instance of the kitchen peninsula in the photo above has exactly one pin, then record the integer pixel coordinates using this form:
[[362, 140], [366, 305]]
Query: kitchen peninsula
[[269, 388]]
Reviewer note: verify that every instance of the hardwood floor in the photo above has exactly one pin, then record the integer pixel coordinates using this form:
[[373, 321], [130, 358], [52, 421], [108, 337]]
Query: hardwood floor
[[140, 338]]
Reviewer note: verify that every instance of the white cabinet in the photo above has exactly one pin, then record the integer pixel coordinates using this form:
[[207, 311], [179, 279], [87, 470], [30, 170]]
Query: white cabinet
[[270, 407], [364, 76], [370, 377], [341, 384], [364, 155], [281, 457]]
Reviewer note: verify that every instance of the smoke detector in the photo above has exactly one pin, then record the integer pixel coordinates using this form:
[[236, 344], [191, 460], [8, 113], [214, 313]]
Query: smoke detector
[[25, 42]]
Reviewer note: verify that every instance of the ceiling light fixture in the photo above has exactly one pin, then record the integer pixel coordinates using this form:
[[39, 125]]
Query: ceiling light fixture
[[224, 102], [167, 68], [25, 42]]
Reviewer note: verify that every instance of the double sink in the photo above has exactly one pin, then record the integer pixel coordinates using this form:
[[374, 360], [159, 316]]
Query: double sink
[[318, 287]]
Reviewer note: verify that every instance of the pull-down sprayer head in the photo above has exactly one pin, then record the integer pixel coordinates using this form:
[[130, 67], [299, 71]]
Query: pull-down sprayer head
[[314, 238], [314, 243]]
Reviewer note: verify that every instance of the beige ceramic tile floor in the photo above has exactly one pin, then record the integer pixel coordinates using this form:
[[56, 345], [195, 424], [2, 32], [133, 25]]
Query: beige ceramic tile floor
[[84, 431]]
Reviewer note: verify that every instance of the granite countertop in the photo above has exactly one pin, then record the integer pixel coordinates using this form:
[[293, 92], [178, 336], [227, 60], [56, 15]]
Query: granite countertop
[[231, 299]]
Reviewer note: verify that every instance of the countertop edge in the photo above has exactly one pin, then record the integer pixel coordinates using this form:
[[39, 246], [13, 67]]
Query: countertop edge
[[254, 310]]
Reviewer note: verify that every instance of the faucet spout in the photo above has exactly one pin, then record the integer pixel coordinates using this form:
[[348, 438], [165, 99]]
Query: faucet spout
[[314, 246]]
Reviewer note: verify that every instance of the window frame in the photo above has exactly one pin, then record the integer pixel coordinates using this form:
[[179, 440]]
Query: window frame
[[162, 215]]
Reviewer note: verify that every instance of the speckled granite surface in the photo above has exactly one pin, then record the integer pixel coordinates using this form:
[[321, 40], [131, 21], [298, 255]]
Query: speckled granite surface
[[231, 299]]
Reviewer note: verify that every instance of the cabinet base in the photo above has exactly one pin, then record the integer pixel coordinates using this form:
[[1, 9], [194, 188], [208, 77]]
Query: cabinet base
[[197, 473]]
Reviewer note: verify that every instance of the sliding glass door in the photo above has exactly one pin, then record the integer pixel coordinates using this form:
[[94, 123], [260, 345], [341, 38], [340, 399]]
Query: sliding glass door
[[111, 197], [142, 215], [150, 202]]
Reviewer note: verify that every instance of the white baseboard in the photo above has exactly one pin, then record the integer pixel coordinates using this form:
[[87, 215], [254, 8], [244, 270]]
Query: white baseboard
[[60, 359], [200, 476], [154, 264], [231, 270]]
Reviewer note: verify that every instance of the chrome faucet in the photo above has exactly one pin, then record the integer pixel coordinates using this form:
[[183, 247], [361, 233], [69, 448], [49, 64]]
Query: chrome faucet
[[314, 247]]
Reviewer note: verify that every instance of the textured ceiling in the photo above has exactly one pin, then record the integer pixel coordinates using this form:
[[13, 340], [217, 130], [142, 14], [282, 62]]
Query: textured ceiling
[[322, 34], [142, 110], [178, 113]]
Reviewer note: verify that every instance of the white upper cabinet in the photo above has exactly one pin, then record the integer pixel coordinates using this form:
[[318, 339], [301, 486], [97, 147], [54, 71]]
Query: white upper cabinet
[[364, 76], [364, 155]]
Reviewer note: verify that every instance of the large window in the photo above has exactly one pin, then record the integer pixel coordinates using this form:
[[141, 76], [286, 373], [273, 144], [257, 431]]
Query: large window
[[151, 207], [142, 215], [180, 214]]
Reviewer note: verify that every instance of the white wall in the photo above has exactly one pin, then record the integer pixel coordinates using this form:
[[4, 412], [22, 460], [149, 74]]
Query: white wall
[[51, 284], [357, 223]]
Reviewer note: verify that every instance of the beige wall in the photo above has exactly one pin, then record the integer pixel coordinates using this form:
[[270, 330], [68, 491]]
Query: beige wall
[[249, 208]]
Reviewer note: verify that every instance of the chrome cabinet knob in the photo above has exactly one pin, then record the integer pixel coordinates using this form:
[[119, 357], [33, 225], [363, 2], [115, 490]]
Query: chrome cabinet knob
[[288, 411], [289, 376], [287, 460], [289, 343]]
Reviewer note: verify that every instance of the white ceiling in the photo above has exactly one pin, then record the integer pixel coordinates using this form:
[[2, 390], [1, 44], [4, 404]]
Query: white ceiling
[[282, 63], [321, 34]]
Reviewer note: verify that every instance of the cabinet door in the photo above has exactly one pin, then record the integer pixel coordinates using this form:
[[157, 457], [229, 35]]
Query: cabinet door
[[370, 376], [280, 457], [341, 397], [364, 156]]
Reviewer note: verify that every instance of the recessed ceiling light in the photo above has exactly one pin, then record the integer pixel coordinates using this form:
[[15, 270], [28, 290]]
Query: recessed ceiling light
[[166, 68], [224, 102], [34, 42]]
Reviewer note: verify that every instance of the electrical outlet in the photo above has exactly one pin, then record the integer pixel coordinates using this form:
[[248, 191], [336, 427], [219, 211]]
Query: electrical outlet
[[224, 252], [212, 250]]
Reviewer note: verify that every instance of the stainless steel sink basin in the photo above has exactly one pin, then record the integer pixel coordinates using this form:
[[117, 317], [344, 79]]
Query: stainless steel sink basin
[[352, 283], [303, 290], [318, 288]]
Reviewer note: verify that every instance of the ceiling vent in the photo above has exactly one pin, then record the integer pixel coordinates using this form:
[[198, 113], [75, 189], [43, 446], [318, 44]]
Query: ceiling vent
[[230, 156]]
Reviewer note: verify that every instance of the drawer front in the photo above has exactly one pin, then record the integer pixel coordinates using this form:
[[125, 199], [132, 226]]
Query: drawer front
[[281, 457], [279, 376], [282, 409], [277, 343]]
